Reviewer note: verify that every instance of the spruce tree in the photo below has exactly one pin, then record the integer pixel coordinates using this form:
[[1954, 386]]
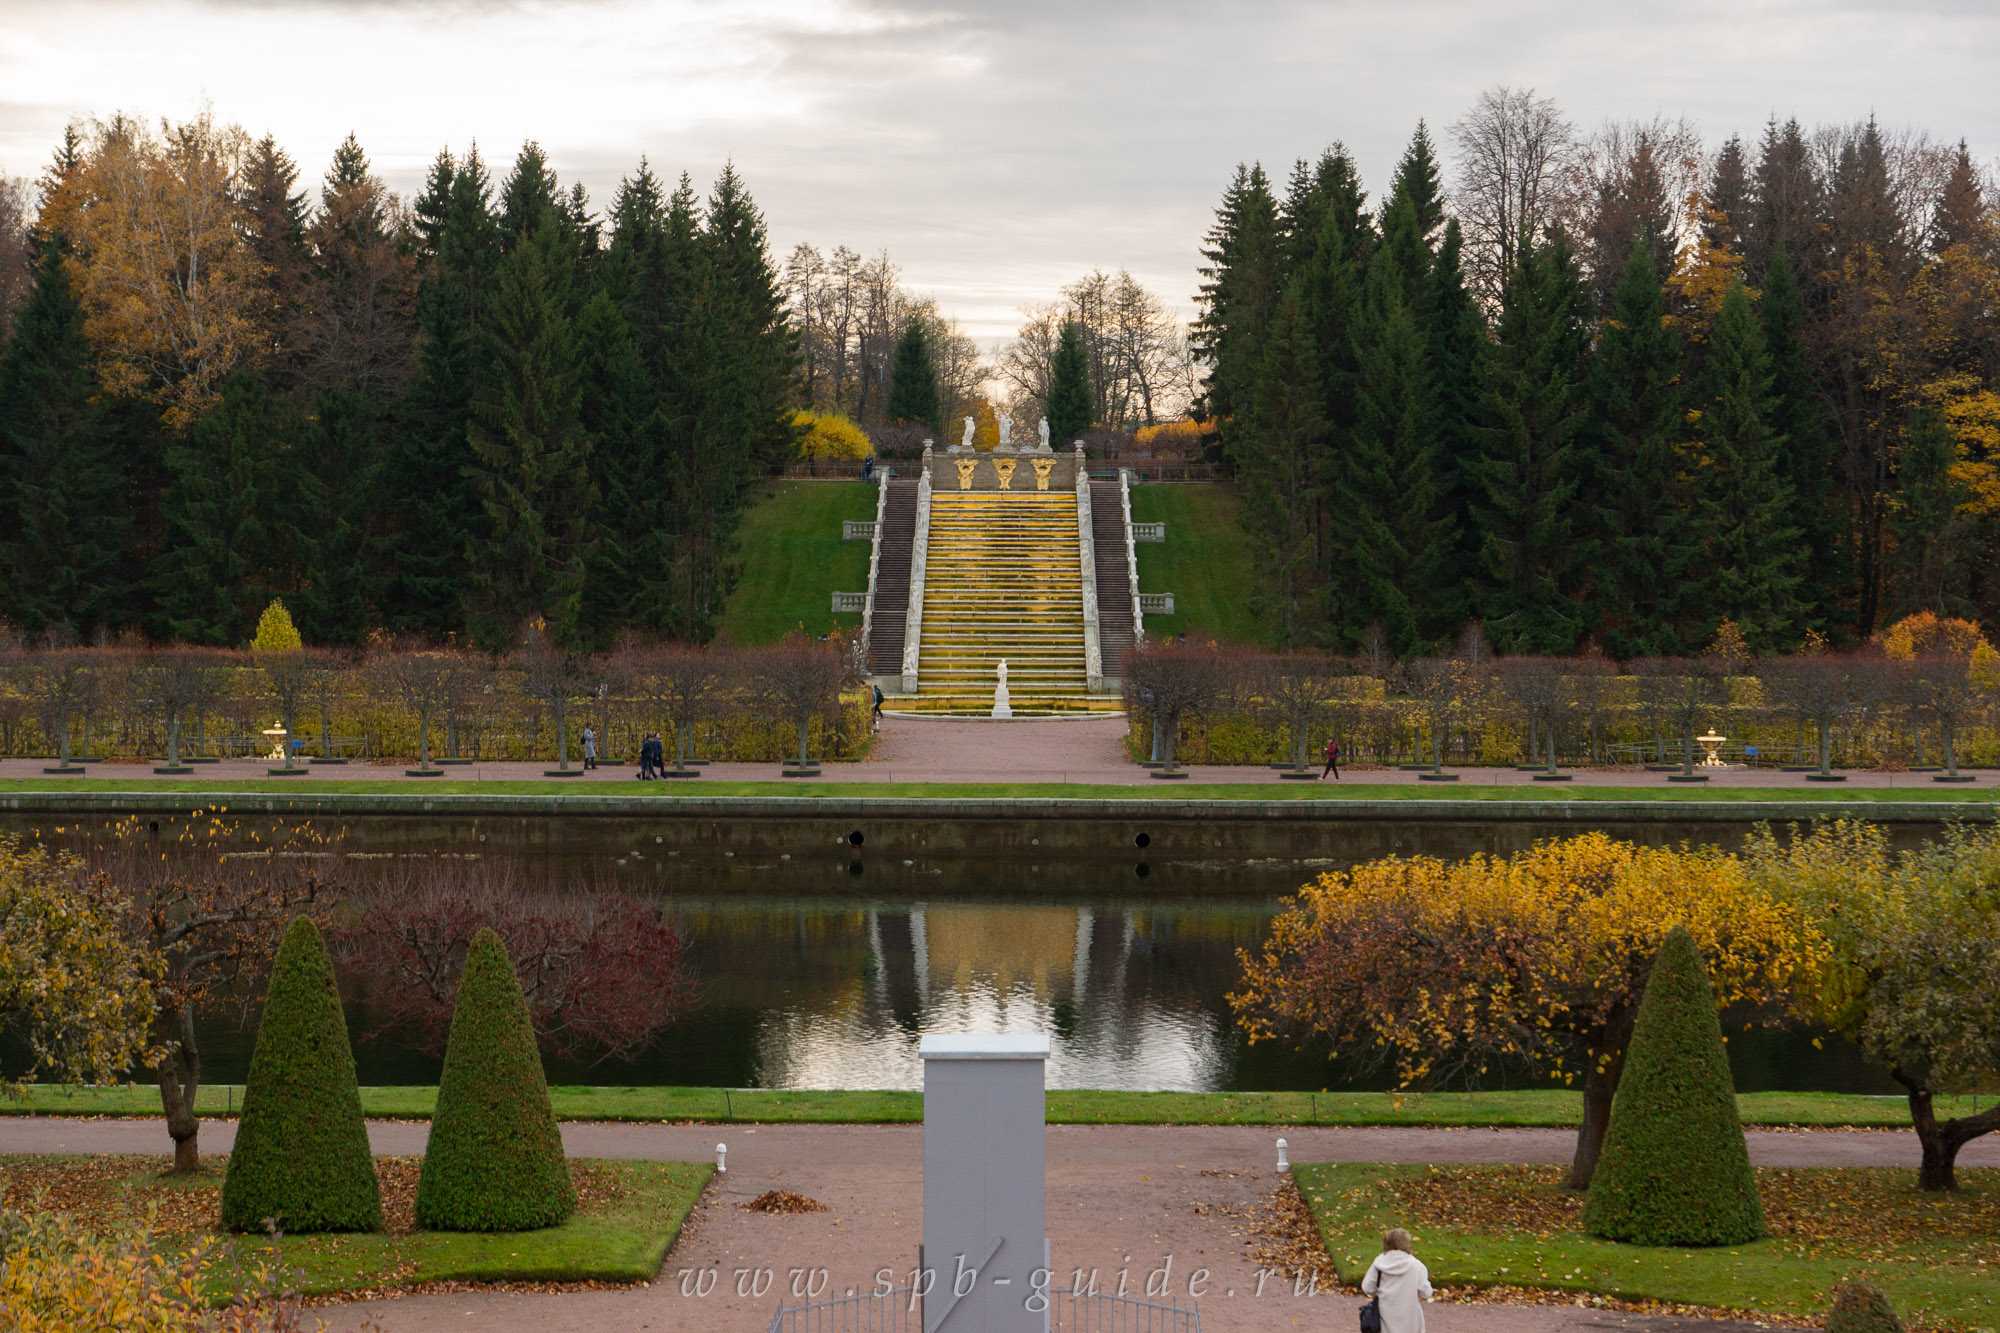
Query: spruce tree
[[1926, 519], [274, 215], [530, 468], [1419, 181], [301, 1160], [495, 1160], [1530, 467], [1640, 550], [1675, 1169], [1809, 462], [617, 407], [1069, 388], [1242, 276], [1280, 485], [1387, 513], [425, 495], [1754, 558], [64, 489], [1458, 351], [233, 542], [913, 388], [1328, 289]]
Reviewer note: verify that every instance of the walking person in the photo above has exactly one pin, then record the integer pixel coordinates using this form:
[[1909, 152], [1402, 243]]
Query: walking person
[[589, 747], [1332, 760], [1399, 1283], [875, 719], [646, 758]]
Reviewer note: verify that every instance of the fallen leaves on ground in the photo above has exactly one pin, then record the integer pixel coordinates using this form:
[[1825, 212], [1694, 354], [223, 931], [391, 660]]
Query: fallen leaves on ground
[[128, 1188], [782, 1201]]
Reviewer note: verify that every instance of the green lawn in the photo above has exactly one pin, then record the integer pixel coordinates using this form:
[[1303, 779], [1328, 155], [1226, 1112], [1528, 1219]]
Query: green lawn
[[1038, 791], [1206, 562], [792, 560], [1550, 1107], [1936, 1257], [627, 1218]]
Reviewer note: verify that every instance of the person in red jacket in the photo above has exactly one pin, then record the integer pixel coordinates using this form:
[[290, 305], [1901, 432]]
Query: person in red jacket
[[1332, 760]]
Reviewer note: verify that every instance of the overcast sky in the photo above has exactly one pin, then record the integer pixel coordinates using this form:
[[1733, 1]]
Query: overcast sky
[[996, 150]]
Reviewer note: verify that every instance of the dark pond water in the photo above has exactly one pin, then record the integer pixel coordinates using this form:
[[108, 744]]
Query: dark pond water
[[823, 970]]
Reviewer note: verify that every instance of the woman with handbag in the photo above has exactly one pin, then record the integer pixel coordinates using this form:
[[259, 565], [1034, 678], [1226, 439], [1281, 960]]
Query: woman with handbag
[[1398, 1283]]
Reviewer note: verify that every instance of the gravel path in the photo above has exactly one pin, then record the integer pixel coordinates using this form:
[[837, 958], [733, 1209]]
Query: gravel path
[[1081, 750], [1120, 1197]]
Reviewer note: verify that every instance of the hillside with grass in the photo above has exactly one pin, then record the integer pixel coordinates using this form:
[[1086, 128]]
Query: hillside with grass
[[790, 560], [1206, 562]]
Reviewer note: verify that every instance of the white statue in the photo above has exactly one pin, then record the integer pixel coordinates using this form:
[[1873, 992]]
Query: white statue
[[965, 443], [1043, 431], [1001, 707], [1006, 431]]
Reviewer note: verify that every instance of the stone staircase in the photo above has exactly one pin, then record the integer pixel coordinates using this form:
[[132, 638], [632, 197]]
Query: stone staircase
[[892, 579], [1115, 623], [1003, 579]]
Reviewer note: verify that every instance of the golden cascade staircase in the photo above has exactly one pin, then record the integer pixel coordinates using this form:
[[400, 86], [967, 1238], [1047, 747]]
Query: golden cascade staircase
[[1003, 579]]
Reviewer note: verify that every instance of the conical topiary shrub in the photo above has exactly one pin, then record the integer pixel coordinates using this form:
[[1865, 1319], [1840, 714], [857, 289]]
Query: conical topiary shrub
[[1675, 1169], [1860, 1308], [301, 1161], [495, 1159]]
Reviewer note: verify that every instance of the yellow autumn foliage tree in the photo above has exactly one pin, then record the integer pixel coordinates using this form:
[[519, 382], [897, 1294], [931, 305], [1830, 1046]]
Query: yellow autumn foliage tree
[[1533, 962], [985, 426], [1927, 634], [166, 279], [831, 436]]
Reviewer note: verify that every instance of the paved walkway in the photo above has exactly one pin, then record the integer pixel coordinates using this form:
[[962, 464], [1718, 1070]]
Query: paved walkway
[[1119, 1197], [1083, 750]]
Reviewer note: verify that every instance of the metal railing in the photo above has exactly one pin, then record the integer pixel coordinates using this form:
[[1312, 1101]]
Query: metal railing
[[897, 1311], [900, 1311], [1075, 1312]]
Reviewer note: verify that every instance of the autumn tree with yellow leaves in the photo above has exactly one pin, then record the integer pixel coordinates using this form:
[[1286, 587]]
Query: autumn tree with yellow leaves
[[1452, 971]]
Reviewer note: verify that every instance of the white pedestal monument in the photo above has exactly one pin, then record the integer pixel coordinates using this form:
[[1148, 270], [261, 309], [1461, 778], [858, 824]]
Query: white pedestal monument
[[985, 1218], [1001, 706]]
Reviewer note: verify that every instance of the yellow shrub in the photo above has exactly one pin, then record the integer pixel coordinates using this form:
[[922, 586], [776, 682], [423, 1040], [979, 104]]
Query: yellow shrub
[[1172, 437], [832, 436]]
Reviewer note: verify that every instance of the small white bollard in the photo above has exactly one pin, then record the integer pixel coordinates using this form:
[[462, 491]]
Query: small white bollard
[[721, 1156], [1284, 1162]]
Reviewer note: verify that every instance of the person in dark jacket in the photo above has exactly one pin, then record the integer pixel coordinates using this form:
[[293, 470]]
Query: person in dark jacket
[[1332, 760]]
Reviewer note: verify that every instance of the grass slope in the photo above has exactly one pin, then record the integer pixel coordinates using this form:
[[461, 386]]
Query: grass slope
[[1551, 1107], [1040, 791], [1516, 1226], [1205, 562], [791, 560]]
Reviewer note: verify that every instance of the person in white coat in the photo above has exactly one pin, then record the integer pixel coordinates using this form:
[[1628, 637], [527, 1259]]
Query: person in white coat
[[1399, 1281]]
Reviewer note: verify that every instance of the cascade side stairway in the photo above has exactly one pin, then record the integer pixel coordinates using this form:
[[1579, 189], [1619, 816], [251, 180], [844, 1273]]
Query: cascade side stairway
[[1003, 580]]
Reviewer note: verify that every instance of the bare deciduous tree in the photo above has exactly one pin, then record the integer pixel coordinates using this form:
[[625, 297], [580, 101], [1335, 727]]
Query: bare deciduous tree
[[1512, 150], [1169, 683], [418, 676], [685, 683], [801, 679]]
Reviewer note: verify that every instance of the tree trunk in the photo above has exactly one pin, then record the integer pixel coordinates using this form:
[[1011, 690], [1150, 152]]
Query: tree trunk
[[1597, 1093], [1941, 1141], [179, 1076], [1167, 732], [173, 742], [1687, 753], [1945, 730], [424, 739], [805, 741]]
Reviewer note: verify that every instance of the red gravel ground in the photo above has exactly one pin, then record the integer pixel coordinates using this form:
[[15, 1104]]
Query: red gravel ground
[[1118, 1197]]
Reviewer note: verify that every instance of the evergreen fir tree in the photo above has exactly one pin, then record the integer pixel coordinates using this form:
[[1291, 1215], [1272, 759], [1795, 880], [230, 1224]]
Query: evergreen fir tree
[[64, 481], [617, 406], [232, 545], [1809, 463], [1458, 348], [426, 500], [1388, 511], [1640, 548], [1726, 198], [1530, 465], [1755, 557], [530, 464], [1788, 204], [1959, 217], [1241, 278], [913, 389], [1419, 181], [1069, 388], [1926, 519], [337, 480], [677, 336], [274, 213], [1328, 289], [529, 197], [1280, 487]]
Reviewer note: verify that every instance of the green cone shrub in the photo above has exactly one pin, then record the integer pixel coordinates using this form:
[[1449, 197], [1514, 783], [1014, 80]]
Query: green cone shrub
[[495, 1159], [301, 1160], [1861, 1308], [1675, 1169]]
